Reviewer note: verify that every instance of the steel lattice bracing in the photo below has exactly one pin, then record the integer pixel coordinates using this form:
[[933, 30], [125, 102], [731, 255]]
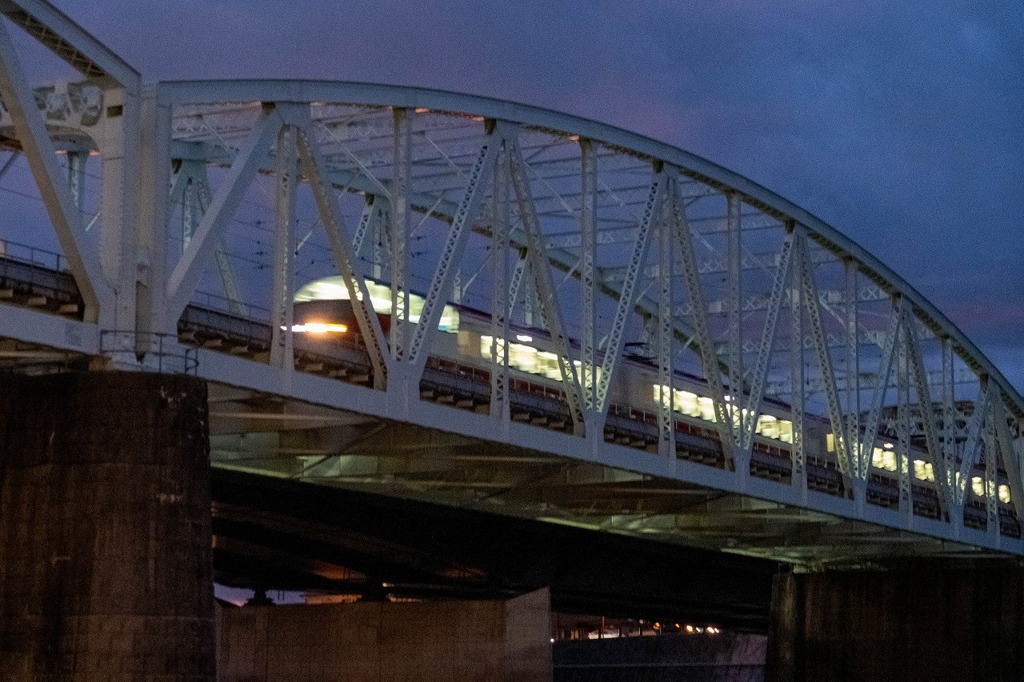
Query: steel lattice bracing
[[645, 342]]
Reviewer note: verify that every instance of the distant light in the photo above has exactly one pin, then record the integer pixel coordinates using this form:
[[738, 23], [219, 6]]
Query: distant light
[[689, 629], [574, 138], [525, 338], [552, 640], [320, 328], [422, 110], [887, 446]]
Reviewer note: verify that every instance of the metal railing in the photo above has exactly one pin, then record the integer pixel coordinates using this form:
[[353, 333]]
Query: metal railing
[[150, 352], [32, 255]]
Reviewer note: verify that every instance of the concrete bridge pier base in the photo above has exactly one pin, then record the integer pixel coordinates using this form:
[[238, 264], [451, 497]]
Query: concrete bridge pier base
[[922, 622], [430, 641], [105, 557]]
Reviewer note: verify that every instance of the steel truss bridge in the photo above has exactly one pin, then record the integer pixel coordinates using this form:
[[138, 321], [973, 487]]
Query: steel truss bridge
[[646, 343]]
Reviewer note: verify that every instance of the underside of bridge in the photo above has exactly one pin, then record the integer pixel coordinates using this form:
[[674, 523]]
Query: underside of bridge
[[292, 441], [275, 534]]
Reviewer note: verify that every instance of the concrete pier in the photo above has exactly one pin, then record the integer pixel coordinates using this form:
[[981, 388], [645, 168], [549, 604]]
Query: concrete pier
[[436, 641], [924, 621], [105, 559]]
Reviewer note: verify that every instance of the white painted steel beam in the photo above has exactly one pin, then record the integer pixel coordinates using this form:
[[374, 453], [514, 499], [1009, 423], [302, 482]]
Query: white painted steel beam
[[588, 274], [540, 266], [399, 191], [626, 302], [709, 356], [282, 313], [441, 284], [748, 425], [83, 260], [344, 257], [692, 166], [835, 412], [71, 42], [502, 303]]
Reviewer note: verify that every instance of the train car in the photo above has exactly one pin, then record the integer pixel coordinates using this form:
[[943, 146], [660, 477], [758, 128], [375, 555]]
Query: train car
[[458, 373]]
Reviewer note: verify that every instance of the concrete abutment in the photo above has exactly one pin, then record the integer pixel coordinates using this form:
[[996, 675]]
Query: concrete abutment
[[921, 621], [435, 641]]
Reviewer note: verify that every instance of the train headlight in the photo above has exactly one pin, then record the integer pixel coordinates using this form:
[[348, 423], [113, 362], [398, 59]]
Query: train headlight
[[320, 328]]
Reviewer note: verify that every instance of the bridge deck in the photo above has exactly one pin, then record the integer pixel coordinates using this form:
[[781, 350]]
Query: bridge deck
[[337, 443]]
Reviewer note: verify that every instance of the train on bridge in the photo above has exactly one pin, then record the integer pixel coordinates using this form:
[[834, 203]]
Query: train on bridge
[[458, 374], [328, 342]]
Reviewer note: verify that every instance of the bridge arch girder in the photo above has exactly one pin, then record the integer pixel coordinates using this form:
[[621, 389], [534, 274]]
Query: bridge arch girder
[[671, 298]]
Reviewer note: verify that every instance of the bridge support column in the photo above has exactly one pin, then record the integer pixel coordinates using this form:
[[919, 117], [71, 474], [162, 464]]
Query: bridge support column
[[430, 641], [105, 558], [922, 622]]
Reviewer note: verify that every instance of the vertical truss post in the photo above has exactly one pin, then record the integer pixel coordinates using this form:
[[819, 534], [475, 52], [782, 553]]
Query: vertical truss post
[[903, 416], [853, 436], [381, 239], [323, 193], [118, 140], [709, 358], [991, 482], [457, 286], [734, 302], [282, 349], [810, 291], [154, 178], [501, 303], [400, 225], [77, 161], [798, 456], [626, 303], [588, 278], [666, 369], [753, 406], [544, 286], [949, 428], [191, 213]]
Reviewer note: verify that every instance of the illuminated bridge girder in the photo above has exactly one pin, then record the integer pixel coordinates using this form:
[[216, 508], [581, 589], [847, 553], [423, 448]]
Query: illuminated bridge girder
[[687, 356]]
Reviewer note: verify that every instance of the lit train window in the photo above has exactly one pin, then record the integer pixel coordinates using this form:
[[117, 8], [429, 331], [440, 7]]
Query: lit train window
[[702, 407], [978, 487], [1004, 494], [529, 359], [884, 459], [334, 289], [923, 470]]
